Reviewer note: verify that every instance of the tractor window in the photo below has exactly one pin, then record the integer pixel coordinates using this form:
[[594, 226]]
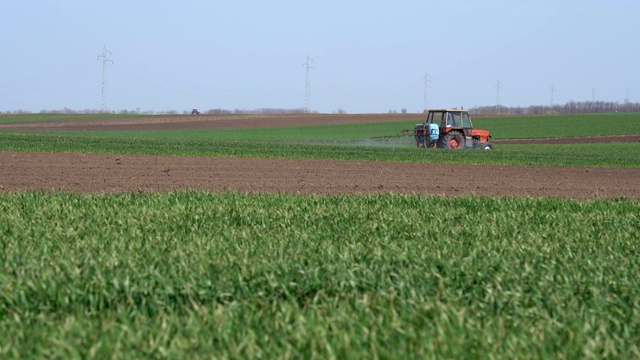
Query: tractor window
[[466, 121], [435, 117], [456, 120]]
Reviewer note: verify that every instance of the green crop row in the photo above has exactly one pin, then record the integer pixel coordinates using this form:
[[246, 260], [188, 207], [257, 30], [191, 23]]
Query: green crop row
[[343, 133], [196, 275], [561, 125], [588, 155]]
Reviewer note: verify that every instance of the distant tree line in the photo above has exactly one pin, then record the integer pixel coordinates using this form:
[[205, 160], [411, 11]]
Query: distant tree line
[[66, 110], [260, 111], [572, 107]]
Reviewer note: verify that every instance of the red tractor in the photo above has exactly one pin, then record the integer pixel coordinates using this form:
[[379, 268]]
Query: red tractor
[[455, 131]]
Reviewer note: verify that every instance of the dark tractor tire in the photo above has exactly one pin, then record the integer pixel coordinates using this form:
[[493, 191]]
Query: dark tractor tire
[[452, 140], [482, 145]]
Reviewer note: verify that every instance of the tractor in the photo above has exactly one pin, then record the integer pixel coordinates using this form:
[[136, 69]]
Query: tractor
[[451, 129]]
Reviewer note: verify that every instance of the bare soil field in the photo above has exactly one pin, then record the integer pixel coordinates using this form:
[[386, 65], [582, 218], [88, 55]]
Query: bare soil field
[[90, 173], [105, 173], [202, 122]]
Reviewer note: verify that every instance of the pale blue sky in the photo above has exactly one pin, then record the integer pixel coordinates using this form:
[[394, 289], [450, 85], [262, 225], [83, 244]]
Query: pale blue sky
[[369, 56]]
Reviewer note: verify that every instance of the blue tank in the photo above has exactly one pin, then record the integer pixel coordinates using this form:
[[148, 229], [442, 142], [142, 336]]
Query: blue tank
[[434, 132]]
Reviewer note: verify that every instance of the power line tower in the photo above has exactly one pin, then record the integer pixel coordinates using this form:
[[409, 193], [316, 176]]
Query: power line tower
[[626, 96], [307, 86], [553, 93], [593, 94], [427, 80], [105, 84], [498, 88]]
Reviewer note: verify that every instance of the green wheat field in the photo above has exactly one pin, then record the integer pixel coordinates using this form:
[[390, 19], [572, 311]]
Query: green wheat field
[[200, 275]]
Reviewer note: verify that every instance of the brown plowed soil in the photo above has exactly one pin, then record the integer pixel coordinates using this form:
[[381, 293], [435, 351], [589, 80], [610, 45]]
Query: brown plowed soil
[[91, 173], [202, 122]]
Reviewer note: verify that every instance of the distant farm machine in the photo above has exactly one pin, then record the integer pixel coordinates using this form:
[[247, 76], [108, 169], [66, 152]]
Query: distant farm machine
[[450, 129]]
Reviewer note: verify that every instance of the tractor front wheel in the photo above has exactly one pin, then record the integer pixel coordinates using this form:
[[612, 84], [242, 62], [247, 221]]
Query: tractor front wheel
[[483, 146], [452, 141]]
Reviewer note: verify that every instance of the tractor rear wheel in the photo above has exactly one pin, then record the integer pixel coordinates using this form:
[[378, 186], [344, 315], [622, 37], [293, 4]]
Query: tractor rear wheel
[[452, 140]]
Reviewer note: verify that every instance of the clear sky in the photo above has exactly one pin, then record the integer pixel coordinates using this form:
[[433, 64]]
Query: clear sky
[[368, 55]]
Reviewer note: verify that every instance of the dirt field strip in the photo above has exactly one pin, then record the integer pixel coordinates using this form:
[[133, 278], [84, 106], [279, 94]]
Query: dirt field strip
[[98, 173], [203, 122]]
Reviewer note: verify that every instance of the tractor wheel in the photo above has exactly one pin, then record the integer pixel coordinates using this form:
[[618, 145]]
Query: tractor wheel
[[452, 140], [482, 146]]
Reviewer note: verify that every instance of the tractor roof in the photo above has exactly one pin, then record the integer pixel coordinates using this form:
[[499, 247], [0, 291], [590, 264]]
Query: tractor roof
[[448, 110]]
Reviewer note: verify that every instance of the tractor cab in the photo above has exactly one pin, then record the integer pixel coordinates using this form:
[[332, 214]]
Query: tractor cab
[[456, 130], [450, 120]]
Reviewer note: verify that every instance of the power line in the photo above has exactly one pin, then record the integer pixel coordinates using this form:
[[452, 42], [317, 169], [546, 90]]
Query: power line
[[141, 79], [593, 94], [45, 86], [105, 84], [17, 83], [307, 85], [337, 84], [157, 82], [149, 74], [327, 78], [145, 75], [323, 75], [553, 92]]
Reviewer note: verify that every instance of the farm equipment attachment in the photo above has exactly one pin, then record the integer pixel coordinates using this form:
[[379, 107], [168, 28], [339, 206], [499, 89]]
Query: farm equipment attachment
[[405, 133]]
